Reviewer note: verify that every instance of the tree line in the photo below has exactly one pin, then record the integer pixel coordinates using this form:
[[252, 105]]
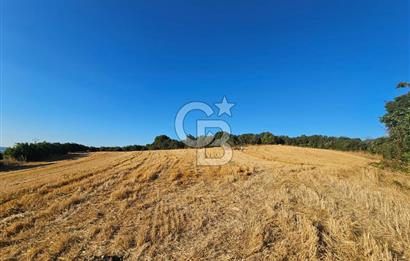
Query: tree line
[[396, 146], [44, 150]]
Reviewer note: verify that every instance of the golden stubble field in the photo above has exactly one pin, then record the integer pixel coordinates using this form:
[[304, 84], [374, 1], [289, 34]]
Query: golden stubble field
[[270, 202]]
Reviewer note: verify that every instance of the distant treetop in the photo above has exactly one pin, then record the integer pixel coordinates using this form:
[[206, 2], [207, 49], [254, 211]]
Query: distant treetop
[[403, 84]]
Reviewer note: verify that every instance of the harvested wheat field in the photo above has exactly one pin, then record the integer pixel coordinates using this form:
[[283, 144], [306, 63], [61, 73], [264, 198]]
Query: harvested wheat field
[[270, 202]]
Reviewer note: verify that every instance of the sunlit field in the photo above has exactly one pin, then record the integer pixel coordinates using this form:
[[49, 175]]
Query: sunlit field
[[270, 202]]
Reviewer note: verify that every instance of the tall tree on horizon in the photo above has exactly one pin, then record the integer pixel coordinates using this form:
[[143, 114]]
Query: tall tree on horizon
[[397, 121]]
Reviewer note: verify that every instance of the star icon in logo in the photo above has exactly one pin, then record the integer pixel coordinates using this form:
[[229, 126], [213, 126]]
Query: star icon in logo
[[225, 107]]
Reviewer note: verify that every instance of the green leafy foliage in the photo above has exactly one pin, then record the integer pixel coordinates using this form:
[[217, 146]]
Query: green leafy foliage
[[42, 151], [315, 141], [397, 121], [269, 138], [164, 142]]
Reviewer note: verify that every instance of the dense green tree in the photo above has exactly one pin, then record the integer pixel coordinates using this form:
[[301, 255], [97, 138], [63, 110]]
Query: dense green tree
[[249, 138], [397, 121], [42, 150], [267, 138], [164, 142], [134, 148]]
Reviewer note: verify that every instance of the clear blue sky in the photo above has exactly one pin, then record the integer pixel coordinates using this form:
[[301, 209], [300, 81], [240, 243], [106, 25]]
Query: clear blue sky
[[116, 72]]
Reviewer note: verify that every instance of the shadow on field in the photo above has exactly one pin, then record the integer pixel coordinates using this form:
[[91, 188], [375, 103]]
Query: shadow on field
[[11, 165], [69, 156], [18, 166]]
